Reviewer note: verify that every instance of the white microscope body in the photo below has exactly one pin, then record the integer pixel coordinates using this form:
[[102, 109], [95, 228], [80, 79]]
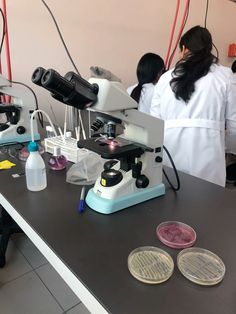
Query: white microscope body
[[133, 172], [22, 106], [140, 129]]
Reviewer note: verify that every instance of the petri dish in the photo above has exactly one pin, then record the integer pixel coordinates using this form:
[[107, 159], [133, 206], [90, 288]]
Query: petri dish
[[150, 264], [24, 153], [201, 266], [176, 234]]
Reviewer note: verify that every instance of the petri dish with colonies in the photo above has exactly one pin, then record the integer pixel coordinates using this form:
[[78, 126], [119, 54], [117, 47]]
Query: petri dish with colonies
[[176, 234], [201, 266], [150, 264]]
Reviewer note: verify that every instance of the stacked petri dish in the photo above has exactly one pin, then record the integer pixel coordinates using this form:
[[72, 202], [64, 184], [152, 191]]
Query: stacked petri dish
[[153, 265]]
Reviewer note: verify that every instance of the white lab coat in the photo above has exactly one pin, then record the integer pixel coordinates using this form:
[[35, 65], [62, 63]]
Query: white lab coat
[[195, 132], [145, 97]]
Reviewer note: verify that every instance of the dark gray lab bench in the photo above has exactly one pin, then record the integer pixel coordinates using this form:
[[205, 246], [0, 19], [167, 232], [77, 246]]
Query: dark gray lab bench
[[90, 250]]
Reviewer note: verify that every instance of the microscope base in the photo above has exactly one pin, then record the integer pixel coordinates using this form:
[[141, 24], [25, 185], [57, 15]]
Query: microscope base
[[18, 139], [109, 206]]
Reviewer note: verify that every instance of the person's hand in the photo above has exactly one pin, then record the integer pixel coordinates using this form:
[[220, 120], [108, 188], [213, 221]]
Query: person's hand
[[103, 73]]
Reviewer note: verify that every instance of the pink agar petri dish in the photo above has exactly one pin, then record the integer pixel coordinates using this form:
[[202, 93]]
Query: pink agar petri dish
[[176, 234]]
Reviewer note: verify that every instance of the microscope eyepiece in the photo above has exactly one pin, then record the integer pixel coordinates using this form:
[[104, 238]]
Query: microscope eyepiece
[[37, 76], [56, 83], [70, 89], [73, 77]]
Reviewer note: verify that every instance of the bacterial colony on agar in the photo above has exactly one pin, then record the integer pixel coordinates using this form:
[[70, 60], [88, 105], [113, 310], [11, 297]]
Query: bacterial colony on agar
[[150, 264]]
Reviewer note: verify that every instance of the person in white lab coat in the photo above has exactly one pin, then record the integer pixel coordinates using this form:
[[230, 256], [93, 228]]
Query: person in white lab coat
[[197, 101], [149, 69], [231, 150]]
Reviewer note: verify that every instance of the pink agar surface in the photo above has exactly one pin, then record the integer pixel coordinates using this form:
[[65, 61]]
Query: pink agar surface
[[176, 235]]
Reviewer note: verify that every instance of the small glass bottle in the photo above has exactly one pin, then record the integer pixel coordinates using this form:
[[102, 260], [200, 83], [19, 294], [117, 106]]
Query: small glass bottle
[[49, 131], [57, 161], [35, 170], [68, 135]]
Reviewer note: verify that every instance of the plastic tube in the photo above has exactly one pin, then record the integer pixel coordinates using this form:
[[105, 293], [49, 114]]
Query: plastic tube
[[8, 58], [172, 31], [82, 125], [3, 98], [32, 119], [65, 121], [180, 31]]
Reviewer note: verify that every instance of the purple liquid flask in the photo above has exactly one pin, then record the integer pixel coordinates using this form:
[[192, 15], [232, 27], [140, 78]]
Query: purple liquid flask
[[57, 161]]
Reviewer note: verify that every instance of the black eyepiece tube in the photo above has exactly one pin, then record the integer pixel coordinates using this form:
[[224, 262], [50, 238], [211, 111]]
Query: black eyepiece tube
[[56, 83], [70, 89], [37, 76], [74, 77]]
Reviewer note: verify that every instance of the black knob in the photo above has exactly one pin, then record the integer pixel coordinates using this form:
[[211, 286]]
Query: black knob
[[136, 169], [3, 126], [20, 129], [111, 177], [158, 159], [157, 149], [142, 181]]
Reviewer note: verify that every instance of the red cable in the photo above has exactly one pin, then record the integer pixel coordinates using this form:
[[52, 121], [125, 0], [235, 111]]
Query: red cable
[[3, 98], [180, 31], [172, 32], [8, 59], [7, 47]]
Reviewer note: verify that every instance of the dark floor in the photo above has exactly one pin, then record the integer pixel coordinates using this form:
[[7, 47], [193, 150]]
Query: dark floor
[[30, 285]]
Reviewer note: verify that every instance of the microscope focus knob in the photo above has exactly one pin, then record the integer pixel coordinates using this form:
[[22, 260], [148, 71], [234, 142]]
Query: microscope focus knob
[[20, 129], [142, 181], [136, 169]]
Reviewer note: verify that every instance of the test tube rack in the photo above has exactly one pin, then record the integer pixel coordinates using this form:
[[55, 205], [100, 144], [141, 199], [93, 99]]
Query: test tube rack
[[68, 147]]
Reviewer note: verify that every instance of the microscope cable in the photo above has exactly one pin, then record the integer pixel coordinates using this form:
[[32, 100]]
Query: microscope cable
[[59, 32], [3, 31], [40, 116], [184, 21], [1, 45], [206, 13], [175, 171]]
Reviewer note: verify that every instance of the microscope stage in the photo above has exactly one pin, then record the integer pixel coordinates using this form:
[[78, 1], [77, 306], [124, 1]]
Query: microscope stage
[[112, 149]]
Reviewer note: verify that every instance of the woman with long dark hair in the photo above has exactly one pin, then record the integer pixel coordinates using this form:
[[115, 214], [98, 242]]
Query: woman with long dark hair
[[197, 101], [149, 69]]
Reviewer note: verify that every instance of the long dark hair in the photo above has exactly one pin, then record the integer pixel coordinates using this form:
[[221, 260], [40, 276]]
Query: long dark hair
[[149, 69], [195, 64], [233, 66]]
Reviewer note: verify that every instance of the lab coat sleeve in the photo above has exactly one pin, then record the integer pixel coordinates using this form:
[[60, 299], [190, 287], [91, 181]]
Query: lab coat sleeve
[[231, 116], [155, 110]]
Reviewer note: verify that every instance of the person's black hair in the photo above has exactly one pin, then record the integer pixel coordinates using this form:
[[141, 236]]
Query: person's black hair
[[195, 64], [233, 66], [149, 69]]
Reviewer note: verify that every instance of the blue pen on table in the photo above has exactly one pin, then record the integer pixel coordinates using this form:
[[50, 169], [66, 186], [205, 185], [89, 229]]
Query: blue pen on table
[[81, 201]]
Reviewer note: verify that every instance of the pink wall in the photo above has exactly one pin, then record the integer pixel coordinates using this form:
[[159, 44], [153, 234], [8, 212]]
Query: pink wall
[[110, 33]]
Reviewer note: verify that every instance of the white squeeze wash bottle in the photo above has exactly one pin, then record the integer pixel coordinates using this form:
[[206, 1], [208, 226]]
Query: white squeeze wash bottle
[[35, 170]]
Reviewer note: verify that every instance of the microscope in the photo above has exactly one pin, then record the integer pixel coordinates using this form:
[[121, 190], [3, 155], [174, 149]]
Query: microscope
[[16, 127], [133, 171]]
